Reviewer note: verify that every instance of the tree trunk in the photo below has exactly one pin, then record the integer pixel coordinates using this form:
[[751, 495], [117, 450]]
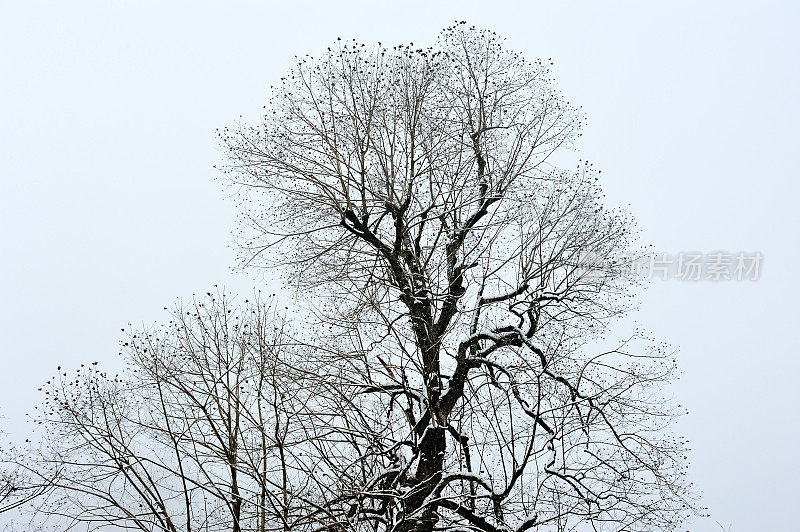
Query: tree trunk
[[428, 474]]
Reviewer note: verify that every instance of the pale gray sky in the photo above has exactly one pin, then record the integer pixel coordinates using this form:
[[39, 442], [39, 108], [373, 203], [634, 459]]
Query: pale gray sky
[[109, 211]]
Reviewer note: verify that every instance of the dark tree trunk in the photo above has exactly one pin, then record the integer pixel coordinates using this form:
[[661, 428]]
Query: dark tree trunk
[[428, 475]]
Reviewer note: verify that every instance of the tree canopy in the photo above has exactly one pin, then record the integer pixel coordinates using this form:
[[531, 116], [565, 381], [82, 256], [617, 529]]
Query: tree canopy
[[449, 372]]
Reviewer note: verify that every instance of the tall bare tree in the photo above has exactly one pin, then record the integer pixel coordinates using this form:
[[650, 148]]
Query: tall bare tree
[[413, 196]]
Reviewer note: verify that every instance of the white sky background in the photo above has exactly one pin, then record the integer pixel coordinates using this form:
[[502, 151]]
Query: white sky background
[[109, 209]]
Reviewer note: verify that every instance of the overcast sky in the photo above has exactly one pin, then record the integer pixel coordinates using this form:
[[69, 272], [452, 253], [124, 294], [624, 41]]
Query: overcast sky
[[109, 209]]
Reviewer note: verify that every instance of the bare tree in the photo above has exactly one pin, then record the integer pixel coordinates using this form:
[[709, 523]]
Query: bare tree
[[196, 435], [449, 371], [412, 194]]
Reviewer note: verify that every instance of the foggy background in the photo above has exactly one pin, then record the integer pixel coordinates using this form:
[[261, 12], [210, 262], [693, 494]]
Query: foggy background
[[109, 208]]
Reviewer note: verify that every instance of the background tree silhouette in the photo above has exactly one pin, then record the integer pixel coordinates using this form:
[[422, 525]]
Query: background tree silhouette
[[194, 436]]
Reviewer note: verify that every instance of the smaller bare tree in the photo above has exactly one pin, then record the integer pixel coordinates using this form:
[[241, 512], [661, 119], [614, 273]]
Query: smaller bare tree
[[196, 435]]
